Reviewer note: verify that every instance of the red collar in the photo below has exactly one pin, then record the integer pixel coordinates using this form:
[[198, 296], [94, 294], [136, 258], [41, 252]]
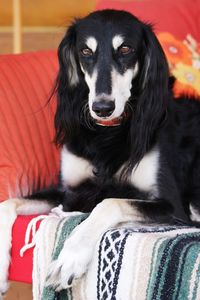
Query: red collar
[[113, 122]]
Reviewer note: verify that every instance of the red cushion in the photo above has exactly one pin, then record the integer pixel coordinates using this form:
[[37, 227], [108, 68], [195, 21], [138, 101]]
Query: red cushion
[[26, 123], [176, 16], [21, 267]]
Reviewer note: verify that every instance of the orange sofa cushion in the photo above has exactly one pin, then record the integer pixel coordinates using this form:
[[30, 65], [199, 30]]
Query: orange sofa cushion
[[27, 155]]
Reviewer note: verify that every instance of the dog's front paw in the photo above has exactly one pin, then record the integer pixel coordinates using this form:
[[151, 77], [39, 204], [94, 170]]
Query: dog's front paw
[[4, 285], [71, 264]]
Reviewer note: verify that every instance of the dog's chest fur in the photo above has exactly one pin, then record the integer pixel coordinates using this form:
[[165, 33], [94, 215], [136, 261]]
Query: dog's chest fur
[[75, 169]]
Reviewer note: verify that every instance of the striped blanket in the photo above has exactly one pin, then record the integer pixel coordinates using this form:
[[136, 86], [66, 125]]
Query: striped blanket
[[148, 263]]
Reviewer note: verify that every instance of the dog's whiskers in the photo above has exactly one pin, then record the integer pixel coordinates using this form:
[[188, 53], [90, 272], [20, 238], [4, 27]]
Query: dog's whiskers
[[129, 106], [86, 115]]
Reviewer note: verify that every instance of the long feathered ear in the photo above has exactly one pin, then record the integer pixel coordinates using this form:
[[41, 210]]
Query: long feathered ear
[[153, 96], [70, 88]]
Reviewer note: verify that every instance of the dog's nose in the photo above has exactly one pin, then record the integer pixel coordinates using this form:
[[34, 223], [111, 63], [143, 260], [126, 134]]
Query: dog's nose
[[103, 108]]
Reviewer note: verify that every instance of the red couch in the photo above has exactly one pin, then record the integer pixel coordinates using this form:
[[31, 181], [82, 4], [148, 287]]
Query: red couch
[[27, 153]]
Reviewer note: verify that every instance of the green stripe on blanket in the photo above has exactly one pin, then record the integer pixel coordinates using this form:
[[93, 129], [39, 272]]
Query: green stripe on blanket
[[64, 229], [173, 272]]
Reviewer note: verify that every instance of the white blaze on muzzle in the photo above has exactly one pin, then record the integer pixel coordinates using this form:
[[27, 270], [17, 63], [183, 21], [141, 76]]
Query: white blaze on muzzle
[[121, 85], [121, 88]]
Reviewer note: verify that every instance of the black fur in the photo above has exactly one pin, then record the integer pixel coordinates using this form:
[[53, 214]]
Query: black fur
[[154, 118]]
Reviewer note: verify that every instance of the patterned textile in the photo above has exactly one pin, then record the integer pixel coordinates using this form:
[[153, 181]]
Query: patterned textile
[[129, 263], [156, 264], [49, 241], [184, 61]]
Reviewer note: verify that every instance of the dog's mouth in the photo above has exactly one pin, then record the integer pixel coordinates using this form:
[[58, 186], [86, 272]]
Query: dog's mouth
[[113, 122]]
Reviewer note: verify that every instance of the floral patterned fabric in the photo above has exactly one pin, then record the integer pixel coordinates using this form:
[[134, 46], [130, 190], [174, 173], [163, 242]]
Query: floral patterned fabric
[[184, 61]]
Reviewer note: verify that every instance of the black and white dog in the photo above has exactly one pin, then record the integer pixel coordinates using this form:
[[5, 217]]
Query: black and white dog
[[129, 151]]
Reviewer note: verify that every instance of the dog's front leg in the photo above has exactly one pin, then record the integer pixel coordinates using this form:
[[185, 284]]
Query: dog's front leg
[[78, 249]]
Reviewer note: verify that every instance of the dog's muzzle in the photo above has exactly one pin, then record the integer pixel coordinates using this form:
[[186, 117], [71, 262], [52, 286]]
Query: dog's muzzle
[[104, 109]]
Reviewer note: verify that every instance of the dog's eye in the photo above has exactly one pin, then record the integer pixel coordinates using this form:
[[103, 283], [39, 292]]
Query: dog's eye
[[125, 50], [86, 52]]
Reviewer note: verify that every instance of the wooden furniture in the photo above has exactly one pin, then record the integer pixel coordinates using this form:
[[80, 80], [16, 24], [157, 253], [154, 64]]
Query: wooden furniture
[[17, 27]]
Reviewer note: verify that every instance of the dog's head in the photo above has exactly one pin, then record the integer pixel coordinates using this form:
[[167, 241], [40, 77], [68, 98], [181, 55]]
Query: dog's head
[[113, 65]]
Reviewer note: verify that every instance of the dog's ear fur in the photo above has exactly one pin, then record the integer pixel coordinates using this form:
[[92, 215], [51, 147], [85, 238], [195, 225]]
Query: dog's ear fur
[[70, 86], [152, 102]]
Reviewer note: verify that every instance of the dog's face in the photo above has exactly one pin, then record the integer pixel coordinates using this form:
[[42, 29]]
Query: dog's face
[[108, 56], [105, 49], [112, 65]]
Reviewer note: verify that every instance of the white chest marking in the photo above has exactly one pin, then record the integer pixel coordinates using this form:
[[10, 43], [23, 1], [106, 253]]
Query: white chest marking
[[74, 169], [144, 176]]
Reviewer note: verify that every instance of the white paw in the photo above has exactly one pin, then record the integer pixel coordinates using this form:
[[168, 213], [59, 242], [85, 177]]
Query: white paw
[[71, 264], [4, 285], [58, 211]]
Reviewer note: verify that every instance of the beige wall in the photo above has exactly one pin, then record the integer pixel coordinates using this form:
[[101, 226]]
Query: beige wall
[[45, 12], [43, 22]]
